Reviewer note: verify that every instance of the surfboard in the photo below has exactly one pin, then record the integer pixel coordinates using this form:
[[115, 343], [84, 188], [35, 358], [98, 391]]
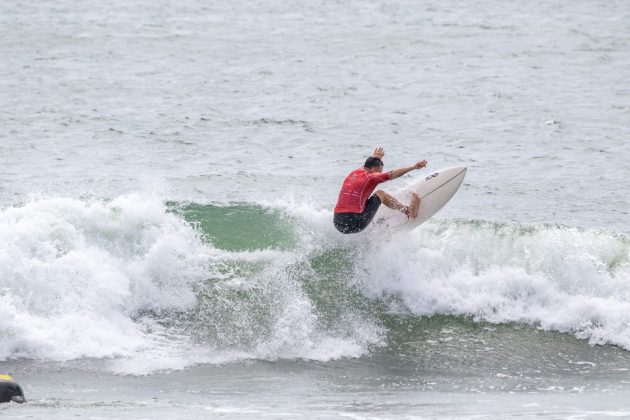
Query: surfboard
[[435, 190]]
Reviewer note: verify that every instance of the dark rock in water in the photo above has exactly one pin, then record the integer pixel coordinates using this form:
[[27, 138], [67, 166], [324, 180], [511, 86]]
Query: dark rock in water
[[10, 391]]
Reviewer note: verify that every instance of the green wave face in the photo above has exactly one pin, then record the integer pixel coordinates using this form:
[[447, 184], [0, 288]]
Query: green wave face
[[271, 287], [239, 227]]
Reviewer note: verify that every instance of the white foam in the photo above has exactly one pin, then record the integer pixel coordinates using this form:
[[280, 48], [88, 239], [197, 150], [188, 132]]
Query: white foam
[[98, 279], [74, 274], [560, 278], [95, 279], [297, 333]]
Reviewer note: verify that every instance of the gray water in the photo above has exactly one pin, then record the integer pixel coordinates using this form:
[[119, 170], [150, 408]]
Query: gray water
[[167, 178]]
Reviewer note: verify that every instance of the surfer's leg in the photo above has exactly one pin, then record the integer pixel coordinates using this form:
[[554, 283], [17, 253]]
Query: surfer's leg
[[414, 205], [392, 203], [356, 222]]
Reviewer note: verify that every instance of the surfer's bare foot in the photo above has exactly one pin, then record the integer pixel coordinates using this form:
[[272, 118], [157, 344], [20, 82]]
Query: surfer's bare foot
[[414, 205]]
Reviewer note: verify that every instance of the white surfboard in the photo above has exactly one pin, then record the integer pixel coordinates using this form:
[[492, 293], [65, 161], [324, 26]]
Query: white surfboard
[[435, 190]]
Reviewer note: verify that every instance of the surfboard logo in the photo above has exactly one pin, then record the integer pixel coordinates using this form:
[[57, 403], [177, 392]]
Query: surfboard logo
[[432, 176]]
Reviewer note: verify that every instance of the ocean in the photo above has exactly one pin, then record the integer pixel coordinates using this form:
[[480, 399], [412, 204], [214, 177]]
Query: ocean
[[168, 172]]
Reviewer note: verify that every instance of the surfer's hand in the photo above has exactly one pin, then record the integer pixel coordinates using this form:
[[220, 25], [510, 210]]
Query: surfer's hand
[[421, 164], [379, 153]]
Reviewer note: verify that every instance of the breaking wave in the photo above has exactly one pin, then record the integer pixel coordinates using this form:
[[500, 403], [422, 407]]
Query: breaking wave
[[146, 285]]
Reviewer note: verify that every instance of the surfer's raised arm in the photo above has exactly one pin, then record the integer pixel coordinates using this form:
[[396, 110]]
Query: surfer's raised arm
[[396, 173], [379, 152]]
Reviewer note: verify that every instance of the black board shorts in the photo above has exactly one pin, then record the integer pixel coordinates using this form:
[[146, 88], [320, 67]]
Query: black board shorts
[[356, 222]]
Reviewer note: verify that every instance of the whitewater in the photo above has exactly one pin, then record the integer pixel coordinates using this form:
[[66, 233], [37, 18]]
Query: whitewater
[[92, 279], [167, 179]]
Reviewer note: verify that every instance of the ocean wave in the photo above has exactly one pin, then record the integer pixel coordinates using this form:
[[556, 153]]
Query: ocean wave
[[558, 278], [150, 285], [153, 286]]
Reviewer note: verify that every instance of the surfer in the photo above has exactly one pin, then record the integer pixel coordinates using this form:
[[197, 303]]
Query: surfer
[[354, 210], [10, 391]]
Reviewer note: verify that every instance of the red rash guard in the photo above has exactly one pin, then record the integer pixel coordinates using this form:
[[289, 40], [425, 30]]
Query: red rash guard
[[357, 188]]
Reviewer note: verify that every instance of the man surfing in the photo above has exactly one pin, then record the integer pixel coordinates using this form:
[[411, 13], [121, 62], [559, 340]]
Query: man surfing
[[357, 206]]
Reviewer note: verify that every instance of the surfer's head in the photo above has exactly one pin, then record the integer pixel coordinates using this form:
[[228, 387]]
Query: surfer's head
[[373, 164]]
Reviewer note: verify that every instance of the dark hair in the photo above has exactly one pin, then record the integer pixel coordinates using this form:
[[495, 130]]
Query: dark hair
[[373, 162]]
